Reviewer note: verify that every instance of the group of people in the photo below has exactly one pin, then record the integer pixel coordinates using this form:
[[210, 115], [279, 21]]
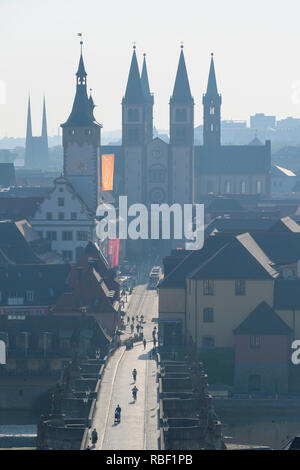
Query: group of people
[[139, 323]]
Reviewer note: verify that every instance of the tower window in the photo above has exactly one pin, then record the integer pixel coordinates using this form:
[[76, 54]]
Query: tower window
[[88, 132], [258, 187], [243, 187], [61, 201], [180, 134], [133, 136], [133, 115], [211, 128], [212, 110], [180, 115], [72, 131]]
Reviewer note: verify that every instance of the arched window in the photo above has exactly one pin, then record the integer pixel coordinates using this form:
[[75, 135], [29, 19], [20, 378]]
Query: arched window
[[258, 187], [212, 110], [243, 187]]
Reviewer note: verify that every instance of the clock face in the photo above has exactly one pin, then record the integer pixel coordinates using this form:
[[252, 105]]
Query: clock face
[[80, 165], [157, 195]]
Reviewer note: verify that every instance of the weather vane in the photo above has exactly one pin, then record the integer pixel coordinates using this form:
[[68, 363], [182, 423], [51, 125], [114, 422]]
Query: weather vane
[[134, 45], [81, 41], [181, 45]]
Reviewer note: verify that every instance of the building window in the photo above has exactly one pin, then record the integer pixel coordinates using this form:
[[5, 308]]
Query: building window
[[243, 187], [88, 132], [133, 136], [30, 295], [49, 215], [180, 134], [61, 216], [61, 201], [240, 287], [208, 342], [208, 287], [180, 115], [82, 236], [67, 236], [67, 255], [255, 342], [133, 115], [157, 176], [40, 234], [72, 131], [258, 187], [73, 215], [227, 187], [51, 236], [61, 190], [208, 315], [212, 110]]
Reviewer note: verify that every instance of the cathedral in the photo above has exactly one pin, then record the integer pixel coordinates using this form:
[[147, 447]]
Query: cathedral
[[153, 171]]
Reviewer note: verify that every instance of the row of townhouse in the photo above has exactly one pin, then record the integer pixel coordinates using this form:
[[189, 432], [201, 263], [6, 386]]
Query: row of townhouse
[[241, 292]]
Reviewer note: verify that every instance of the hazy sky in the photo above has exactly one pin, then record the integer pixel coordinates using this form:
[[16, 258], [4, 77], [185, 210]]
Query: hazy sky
[[256, 45]]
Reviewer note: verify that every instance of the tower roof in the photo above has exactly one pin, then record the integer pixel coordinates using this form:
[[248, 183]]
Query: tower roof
[[82, 111], [29, 126], [145, 82], [44, 121], [212, 89], [182, 92], [134, 92], [81, 69]]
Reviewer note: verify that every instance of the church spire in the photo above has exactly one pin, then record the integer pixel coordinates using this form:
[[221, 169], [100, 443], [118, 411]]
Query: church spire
[[134, 92], [212, 89], [44, 121], [182, 92], [145, 82], [212, 110], [29, 125], [82, 112]]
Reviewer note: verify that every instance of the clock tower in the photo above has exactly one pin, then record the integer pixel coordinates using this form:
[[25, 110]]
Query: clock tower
[[81, 143]]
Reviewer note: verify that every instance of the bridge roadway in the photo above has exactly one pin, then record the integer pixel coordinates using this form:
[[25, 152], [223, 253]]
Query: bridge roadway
[[138, 429]]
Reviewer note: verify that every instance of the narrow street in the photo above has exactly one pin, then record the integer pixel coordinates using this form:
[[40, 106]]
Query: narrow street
[[139, 424]]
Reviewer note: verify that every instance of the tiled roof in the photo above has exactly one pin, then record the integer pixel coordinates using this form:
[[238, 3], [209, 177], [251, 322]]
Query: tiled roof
[[240, 258], [263, 320]]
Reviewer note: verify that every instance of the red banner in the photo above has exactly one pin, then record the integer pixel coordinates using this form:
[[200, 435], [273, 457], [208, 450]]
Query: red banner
[[113, 251], [108, 172]]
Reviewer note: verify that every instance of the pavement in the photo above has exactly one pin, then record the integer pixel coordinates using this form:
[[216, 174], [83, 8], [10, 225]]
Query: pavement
[[138, 428]]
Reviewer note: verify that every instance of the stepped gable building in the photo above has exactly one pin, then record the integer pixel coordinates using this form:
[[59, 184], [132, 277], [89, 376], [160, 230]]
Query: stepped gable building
[[36, 148]]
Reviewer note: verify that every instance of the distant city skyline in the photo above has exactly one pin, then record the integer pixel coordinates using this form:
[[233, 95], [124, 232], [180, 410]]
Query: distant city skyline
[[255, 49]]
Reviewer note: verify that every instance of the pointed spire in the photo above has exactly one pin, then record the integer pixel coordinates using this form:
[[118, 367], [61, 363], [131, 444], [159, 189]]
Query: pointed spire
[[212, 89], [29, 125], [134, 92], [145, 82], [182, 92], [82, 112], [44, 120]]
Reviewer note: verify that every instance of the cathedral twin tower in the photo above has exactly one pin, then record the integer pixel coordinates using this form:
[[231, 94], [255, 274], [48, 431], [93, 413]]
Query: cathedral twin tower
[[156, 172]]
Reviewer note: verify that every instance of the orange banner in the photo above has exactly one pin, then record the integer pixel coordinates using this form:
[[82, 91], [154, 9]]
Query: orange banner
[[108, 172]]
